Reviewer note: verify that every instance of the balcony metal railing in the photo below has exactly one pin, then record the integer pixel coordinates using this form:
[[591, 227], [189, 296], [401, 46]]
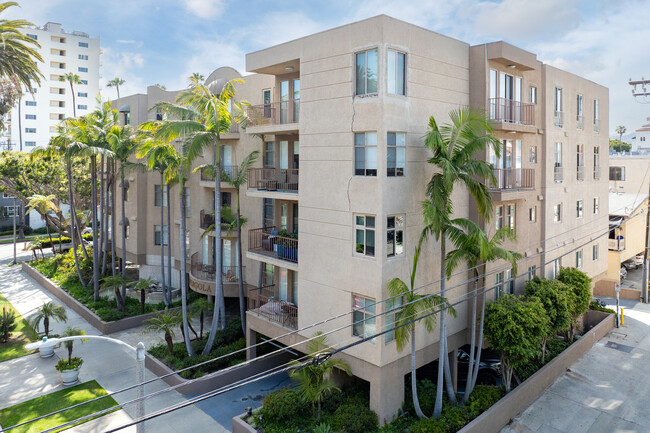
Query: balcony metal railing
[[597, 172], [234, 128], [275, 113], [262, 302], [206, 219], [616, 244], [580, 172], [205, 272], [558, 174], [230, 170], [579, 122], [558, 119], [510, 111], [514, 178], [266, 241], [273, 179]]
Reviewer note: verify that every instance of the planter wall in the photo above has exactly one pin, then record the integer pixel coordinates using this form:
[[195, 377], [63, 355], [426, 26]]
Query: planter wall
[[241, 426], [498, 416], [79, 308]]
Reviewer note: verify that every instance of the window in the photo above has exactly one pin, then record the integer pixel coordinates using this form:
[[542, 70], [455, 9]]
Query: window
[[268, 212], [6, 211], [364, 321], [579, 209], [269, 154], [498, 284], [557, 213], [30, 103], [531, 272], [396, 72], [596, 156], [30, 116], [533, 95], [596, 205], [579, 259], [596, 116], [557, 266], [533, 155], [395, 235], [391, 318], [30, 143], [83, 57], [82, 69], [160, 197], [84, 81], [365, 235], [532, 214], [83, 44], [29, 35], [83, 107], [594, 252], [294, 216], [579, 111], [366, 72], [82, 94], [580, 155], [558, 119], [499, 217], [616, 173], [505, 216], [396, 151], [156, 235], [365, 154], [30, 130], [268, 277], [558, 155], [510, 216]]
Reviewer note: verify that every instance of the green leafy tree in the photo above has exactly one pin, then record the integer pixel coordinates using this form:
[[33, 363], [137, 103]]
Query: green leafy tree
[[19, 51], [7, 324], [620, 146], [72, 79], [516, 329], [314, 377], [580, 285], [411, 306], [557, 299], [454, 149], [165, 322], [620, 130], [46, 312], [116, 82]]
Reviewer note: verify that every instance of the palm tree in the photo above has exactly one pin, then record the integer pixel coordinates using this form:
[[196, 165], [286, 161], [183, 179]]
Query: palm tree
[[118, 283], [197, 76], [199, 308], [19, 55], [43, 204], [116, 82], [47, 311], [200, 116], [72, 79], [314, 377], [165, 322], [454, 147], [411, 307], [620, 130], [142, 285], [476, 248], [71, 332], [237, 180]]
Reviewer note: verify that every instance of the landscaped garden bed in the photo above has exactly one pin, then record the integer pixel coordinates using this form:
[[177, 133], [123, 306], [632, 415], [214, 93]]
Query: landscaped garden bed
[[20, 334]]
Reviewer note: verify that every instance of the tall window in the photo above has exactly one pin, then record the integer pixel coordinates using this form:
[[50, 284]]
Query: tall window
[[396, 72], [532, 214], [531, 272], [365, 235], [579, 111], [294, 216], [391, 318], [159, 196], [365, 154], [268, 277], [558, 107], [269, 154], [533, 95], [557, 266], [579, 259], [557, 213], [157, 235], [395, 235], [596, 116], [579, 209], [580, 155], [363, 318], [558, 155], [268, 211], [505, 216], [596, 156], [498, 284], [616, 173], [533, 155], [498, 212], [396, 151], [596, 205], [594, 252], [510, 216], [366, 72]]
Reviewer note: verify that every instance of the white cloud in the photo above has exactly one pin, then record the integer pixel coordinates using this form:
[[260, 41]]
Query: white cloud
[[125, 65], [208, 55], [205, 8]]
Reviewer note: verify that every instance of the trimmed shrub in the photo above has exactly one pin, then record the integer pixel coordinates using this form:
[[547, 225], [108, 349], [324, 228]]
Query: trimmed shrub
[[429, 425], [351, 418], [282, 405], [483, 397]]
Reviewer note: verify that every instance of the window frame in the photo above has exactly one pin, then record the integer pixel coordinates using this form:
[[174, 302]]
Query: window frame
[[391, 318], [368, 150], [532, 272], [397, 148], [532, 156], [579, 261], [579, 209], [397, 230], [594, 252], [365, 91], [367, 309], [557, 213], [395, 73], [596, 203], [618, 171], [366, 229], [532, 95], [159, 234], [532, 214], [161, 192]]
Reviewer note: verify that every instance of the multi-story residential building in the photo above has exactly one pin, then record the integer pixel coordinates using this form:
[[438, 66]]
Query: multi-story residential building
[[641, 139], [34, 121], [334, 203]]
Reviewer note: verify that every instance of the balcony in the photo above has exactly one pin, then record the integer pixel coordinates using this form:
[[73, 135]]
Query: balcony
[[597, 172], [267, 242], [511, 115], [558, 174], [510, 181], [616, 244], [278, 183], [202, 277], [558, 119], [262, 302], [206, 219], [275, 117], [580, 172]]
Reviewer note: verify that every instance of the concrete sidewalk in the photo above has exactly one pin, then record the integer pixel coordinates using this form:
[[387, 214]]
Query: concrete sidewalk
[[606, 391]]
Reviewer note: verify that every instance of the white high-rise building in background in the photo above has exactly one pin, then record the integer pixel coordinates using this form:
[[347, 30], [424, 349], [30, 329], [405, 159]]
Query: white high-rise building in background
[[41, 112]]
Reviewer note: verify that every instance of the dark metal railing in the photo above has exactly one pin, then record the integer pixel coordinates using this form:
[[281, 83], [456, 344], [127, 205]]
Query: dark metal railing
[[514, 178], [230, 170], [275, 113], [266, 241], [510, 111], [273, 179], [205, 272], [206, 219], [263, 302]]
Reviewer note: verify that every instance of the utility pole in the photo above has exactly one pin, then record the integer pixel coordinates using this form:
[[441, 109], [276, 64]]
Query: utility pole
[[640, 89], [14, 262]]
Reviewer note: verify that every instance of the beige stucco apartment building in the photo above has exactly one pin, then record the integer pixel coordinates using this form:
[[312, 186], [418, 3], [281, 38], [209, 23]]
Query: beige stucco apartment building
[[334, 203]]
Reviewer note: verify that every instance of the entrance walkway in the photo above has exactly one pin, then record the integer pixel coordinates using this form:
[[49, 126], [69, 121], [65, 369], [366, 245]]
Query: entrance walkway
[[606, 391]]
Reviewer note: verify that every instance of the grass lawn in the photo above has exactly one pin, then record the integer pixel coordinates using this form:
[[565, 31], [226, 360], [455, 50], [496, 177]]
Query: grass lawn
[[22, 335], [54, 401]]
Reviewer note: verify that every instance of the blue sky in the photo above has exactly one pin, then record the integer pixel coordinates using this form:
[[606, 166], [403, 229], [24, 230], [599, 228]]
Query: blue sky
[[164, 41]]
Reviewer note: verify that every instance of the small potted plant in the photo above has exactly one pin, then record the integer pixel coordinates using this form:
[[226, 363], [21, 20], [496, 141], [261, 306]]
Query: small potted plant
[[69, 367]]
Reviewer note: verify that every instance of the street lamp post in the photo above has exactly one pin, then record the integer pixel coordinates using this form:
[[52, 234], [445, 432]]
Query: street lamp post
[[14, 262], [139, 367]]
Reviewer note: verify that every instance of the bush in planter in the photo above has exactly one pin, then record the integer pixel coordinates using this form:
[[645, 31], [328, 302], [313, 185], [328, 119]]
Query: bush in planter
[[593, 305], [429, 425], [68, 364], [282, 405], [580, 284], [483, 397], [352, 418]]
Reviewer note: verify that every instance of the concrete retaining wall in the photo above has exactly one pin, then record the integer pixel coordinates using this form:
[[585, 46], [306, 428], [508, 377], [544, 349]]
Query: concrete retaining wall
[[79, 308], [606, 288], [241, 426], [498, 416]]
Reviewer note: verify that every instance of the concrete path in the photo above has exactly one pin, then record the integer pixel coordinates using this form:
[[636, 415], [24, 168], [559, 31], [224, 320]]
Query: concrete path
[[606, 391], [30, 376]]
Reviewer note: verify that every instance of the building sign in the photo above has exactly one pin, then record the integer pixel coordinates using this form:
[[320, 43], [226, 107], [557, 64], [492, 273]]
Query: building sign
[[203, 288]]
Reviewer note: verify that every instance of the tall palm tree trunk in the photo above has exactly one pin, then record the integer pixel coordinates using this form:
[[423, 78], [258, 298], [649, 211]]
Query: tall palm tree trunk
[[470, 369], [123, 206], [480, 343], [113, 222], [169, 247], [103, 211], [74, 104], [47, 227], [93, 211], [437, 409], [72, 224], [162, 241], [414, 388], [240, 277], [183, 248]]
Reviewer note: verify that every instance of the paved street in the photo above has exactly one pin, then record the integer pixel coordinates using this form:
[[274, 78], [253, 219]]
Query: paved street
[[28, 377], [606, 391]]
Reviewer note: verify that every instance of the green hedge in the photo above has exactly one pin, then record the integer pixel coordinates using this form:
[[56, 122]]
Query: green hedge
[[45, 242]]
